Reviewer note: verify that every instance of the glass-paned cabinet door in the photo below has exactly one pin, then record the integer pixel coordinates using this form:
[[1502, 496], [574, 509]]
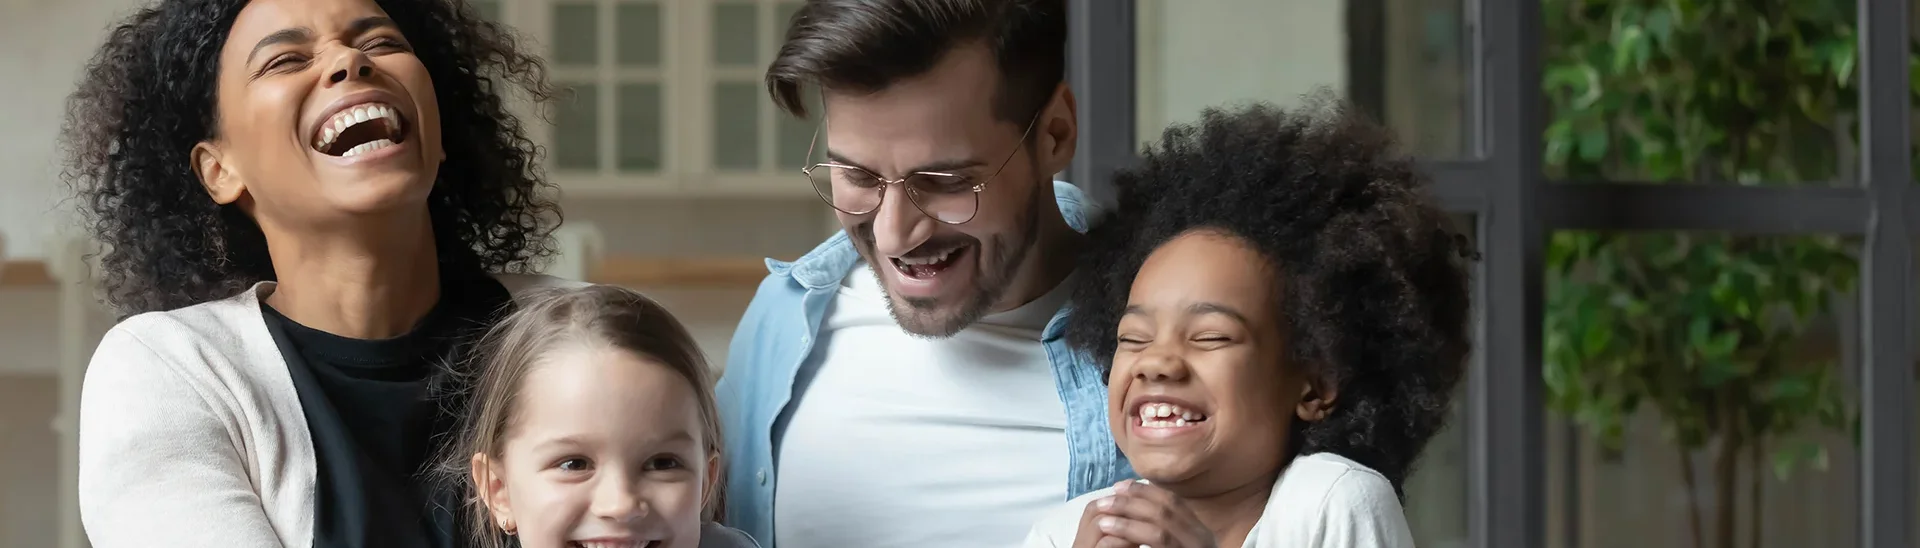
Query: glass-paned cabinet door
[[793, 136], [639, 139], [736, 125], [609, 59], [752, 141], [576, 35], [642, 122], [576, 127]]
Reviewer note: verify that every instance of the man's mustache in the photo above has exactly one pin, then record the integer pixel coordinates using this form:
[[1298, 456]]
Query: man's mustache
[[932, 247]]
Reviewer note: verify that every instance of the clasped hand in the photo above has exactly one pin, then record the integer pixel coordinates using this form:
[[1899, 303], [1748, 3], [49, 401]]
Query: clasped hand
[[1141, 515]]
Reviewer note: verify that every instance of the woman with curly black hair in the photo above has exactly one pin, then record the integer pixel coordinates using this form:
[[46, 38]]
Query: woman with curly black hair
[[308, 206], [1284, 314]]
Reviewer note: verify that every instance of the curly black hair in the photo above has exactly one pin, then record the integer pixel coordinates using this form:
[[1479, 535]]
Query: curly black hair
[[1372, 277], [148, 96]]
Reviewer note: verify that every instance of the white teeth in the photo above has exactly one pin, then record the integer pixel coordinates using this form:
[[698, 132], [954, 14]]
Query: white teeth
[[934, 259], [364, 148], [338, 124], [1166, 415]]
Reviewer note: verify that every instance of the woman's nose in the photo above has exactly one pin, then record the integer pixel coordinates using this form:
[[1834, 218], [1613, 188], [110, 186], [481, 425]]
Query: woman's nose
[[351, 65]]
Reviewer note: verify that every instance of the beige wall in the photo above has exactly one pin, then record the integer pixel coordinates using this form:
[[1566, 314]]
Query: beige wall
[[27, 478]]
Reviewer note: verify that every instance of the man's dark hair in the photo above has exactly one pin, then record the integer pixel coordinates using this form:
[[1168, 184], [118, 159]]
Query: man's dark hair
[[863, 46], [1371, 277]]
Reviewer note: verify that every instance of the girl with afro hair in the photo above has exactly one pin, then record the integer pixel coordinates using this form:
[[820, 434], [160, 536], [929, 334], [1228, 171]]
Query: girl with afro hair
[[1284, 316], [307, 207]]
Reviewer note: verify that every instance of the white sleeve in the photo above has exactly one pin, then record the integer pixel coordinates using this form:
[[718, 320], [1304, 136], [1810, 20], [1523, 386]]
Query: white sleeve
[[1058, 525], [1038, 538], [158, 467], [1361, 511]]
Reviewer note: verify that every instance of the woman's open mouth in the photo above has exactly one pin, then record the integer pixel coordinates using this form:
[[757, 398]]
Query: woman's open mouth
[[360, 129]]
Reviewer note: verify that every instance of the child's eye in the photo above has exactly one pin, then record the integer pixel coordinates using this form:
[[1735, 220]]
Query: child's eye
[[575, 464], [1211, 340], [663, 463]]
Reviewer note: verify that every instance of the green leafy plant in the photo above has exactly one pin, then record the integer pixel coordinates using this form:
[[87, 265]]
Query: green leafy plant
[[1702, 327]]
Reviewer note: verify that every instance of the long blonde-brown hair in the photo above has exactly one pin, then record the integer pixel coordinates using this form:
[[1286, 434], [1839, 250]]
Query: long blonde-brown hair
[[594, 315]]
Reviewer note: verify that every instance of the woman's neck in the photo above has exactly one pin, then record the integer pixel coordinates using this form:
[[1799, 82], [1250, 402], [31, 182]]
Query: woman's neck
[[374, 283], [1231, 514]]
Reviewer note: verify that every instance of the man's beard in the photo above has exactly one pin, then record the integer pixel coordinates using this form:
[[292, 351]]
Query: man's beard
[[923, 316]]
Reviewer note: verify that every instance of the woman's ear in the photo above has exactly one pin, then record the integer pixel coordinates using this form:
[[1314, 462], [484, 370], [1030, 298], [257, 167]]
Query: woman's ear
[[492, 491], [218, 177], [1317, 398]]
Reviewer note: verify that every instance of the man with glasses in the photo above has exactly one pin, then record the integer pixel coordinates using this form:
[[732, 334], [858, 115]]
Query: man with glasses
[[905, 383]]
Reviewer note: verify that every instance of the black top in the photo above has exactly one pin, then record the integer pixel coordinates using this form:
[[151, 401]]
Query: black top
[[376, 424]]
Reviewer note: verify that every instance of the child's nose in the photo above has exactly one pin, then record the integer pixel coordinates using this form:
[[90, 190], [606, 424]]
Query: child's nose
[[619, 501], [1158, 365]]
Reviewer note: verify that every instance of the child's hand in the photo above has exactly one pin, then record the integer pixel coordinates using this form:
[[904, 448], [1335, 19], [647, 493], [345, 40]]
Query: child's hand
[[1141, 515]]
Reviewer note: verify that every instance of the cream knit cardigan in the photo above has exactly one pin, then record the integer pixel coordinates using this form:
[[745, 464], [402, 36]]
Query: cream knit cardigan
[[191, 434]]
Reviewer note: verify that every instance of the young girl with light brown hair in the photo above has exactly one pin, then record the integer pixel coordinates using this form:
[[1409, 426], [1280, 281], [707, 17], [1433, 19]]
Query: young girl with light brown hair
[[592, 425]]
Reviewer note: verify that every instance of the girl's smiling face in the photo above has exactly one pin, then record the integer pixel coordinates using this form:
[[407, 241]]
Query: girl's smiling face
[[1200, 395], [607, 449]]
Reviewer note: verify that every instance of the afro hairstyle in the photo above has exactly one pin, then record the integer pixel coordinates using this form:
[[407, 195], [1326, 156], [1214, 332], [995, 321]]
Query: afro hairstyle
[[1371, 275]]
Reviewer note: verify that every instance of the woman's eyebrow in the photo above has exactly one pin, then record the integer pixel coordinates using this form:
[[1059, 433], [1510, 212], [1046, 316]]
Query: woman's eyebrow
[[364, 24], [296, 35], [301, 35]]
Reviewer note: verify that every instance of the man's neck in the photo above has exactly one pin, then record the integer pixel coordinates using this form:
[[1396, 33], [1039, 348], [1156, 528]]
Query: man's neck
[[370, 283], [1051, 259]]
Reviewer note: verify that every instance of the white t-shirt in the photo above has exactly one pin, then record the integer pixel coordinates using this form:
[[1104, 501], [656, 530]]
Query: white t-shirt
[[1321, 500], [900, 440]]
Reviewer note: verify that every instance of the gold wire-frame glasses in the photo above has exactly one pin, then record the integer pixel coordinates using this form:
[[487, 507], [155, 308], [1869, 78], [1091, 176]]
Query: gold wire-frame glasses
[[950, 198]]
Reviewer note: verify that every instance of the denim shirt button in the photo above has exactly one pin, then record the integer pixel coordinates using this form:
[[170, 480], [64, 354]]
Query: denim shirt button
[[805, 339], [763, 476]]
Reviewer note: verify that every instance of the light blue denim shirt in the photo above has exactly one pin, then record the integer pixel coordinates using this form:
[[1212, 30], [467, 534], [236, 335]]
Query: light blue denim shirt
[[776, 336]]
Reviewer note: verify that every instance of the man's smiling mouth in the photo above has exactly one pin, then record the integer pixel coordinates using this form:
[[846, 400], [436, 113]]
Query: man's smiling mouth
[[360, 129]]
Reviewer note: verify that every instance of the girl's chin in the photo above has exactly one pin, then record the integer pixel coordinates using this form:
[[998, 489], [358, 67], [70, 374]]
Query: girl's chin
[[1160, 467]]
